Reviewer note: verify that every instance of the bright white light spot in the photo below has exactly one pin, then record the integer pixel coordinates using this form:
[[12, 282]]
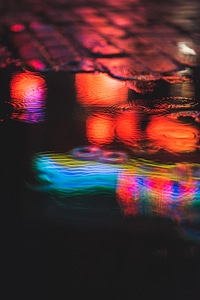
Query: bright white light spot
[[185, 49]]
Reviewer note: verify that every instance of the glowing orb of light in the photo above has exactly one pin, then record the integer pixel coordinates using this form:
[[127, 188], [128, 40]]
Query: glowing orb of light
[[28, 87], [173, 135], [100, 129], [17, 27], [28, 94]]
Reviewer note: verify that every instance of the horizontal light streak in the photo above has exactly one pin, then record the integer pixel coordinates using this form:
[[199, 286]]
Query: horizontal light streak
[[141, 187]]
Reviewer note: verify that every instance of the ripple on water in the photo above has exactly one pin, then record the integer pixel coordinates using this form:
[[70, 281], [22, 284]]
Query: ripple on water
[[28, 95], [173, 135]]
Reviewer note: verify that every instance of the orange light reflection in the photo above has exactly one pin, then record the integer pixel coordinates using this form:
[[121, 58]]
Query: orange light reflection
[[173, 135], [100, 129], [128, 127], [100, 90]]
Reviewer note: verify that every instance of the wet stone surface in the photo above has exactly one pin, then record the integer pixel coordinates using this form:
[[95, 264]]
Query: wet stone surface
[[100, 129], [151, 40]]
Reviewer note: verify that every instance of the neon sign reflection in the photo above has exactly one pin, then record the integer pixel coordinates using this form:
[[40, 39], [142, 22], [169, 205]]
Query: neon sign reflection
[[140, 187], [154, 195], [64, 175]]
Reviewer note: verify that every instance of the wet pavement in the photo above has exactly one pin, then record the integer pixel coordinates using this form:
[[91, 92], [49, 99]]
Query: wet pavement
[[100, 169], [93, 169], [127, 39]]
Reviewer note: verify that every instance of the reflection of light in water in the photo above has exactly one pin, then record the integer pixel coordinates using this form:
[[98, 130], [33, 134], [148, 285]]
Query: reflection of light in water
[[128, 193], [184, 116], [128, 127], [194, 115], [89, 152], [172, 135], [67, 176], [170, 103], [156, 195], [141, 187], [95, 153], [28, 92], [185, 88], [100, 129], [113, 157], [100, 90], [178, 77], [104, 91]]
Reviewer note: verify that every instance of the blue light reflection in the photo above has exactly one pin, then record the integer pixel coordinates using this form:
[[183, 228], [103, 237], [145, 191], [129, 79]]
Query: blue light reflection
[[139, 187]]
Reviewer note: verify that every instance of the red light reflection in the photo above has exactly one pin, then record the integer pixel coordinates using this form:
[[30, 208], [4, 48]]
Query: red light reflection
[[160, 191], [28, 93], [173, 135], [128, 193], [100, 129], [155, 195], [128, 127], [100, 90], [17, 27]]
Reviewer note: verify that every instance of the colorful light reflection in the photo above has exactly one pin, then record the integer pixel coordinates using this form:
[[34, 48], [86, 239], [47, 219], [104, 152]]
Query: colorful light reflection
[[28, 93], [64, 175], [140, 187], [157, 196]]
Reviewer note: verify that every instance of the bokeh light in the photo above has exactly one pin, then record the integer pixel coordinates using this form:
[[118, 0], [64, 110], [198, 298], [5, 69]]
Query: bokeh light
[[100, 129], [100, 90], [173, 135], [28, 94]]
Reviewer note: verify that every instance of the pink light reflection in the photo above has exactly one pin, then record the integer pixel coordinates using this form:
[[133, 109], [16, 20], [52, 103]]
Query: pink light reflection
[[28, 94], [155, 195]]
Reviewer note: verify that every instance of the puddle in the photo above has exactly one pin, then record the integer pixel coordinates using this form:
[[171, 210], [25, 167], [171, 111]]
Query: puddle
[[88, 136]]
